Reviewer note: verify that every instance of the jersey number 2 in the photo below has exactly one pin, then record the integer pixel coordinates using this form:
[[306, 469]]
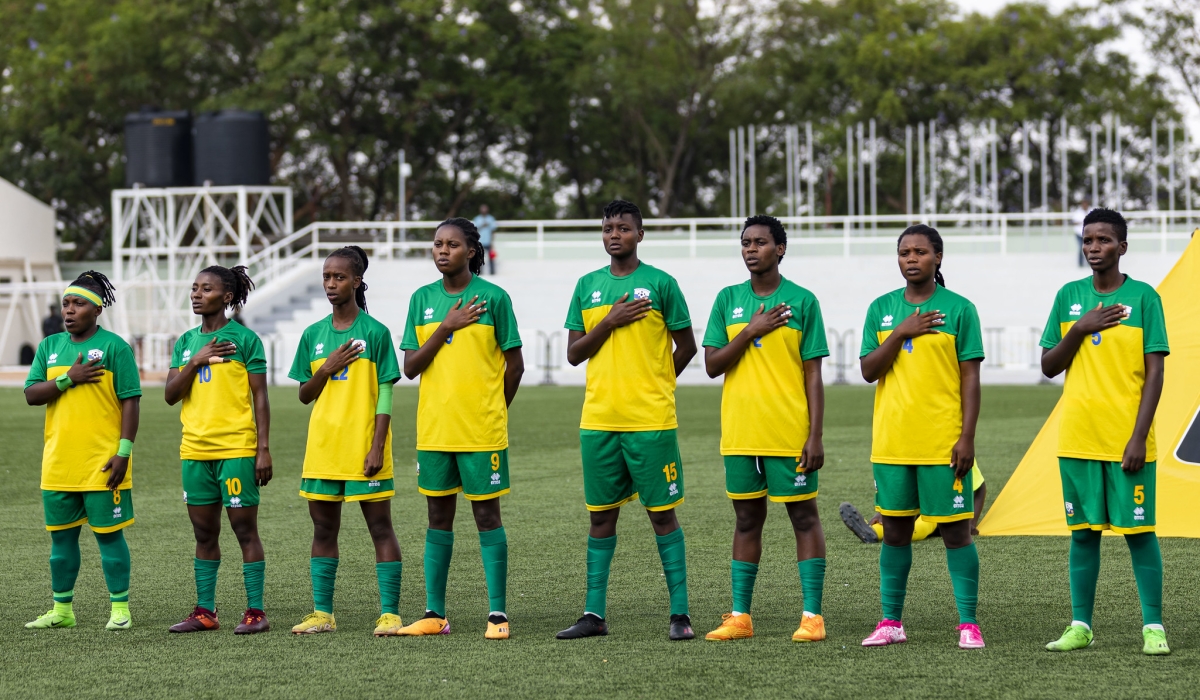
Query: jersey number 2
[[341, 376]]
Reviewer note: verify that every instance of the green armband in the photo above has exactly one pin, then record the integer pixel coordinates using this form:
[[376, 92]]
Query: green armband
[[384, 407], [125, 448], [64, 382]]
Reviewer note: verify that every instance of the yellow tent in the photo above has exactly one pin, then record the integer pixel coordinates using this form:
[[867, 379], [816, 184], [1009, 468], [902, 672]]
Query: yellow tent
[[1031, 502]]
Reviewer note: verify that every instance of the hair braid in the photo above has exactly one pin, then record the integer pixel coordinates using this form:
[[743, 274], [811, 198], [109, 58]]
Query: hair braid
[[236, 281], [98, 283]]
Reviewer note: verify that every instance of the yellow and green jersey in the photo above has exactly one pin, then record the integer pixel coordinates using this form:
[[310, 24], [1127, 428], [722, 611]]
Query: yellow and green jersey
[[1104, 383], [764, 405], [342, 425], [83, 425], [631, 379], [918, 403], [461, 404]]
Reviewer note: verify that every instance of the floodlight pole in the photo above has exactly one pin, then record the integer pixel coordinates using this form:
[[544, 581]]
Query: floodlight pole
[[1120, 191], [995, 167], [789, 166], [1043, 148], [908, 194], [752, 178], [1108, 174], [874, 150], [933, 173], [1153, 165], [921, 170], [1025, 173], [1095, 167], [849, 171], [862, 170], [812, 172], [1171, 169], [733, 178], [1064, 188]]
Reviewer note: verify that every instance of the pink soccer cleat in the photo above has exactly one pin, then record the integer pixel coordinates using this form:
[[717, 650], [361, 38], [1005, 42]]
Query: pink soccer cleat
[[969, 637], [886, 632]]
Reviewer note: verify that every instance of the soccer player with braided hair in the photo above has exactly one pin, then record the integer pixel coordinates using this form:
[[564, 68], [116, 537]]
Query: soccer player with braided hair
[[346, 365], [461, 339], [87, 379], [218, 371], [923, 345]]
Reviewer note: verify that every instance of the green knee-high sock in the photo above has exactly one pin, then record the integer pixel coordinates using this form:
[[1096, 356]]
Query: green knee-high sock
[[64, 564], [1085, 571], [388, 574], [599, 563], [206, 582], [114, 559], [812, 583], [439, 546], [1148, 572], [493, 547], [743, 574], [323, 571], [894, 565], [964, 578], [253, 574], [673, 554]]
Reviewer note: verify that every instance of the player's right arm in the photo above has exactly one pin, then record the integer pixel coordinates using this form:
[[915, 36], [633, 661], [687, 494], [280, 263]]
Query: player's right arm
[[179, 381], [877, 363], [581, 345], [81, 372], [718, 361], [1057, 359], [338, 360]]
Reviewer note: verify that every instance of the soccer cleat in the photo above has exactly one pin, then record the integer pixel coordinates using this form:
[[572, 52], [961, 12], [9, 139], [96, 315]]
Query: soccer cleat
[[119, 620], [253, 622], [201, 620], [857, 524], [388, 625], [1155, 642], [969, 636], [886, 632], [812, 629], [52, 620], [426, 626], [497, 628], [316, 622], [732, 627], [681, 628], [587, 626], [1074, 637]]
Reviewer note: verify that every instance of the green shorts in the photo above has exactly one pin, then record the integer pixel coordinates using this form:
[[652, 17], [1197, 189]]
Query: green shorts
[[479, 475], [1100, 496], [779, 478], [103, 511], [619, 467], [229, 482], [931, 491], [349, 490]]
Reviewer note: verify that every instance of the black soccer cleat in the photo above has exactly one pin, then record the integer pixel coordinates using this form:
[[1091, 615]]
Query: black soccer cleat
[[681, 628], [854, 520], [587, 626]]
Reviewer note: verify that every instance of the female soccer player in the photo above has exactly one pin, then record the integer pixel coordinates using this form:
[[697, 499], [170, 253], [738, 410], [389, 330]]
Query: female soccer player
[[923, 344], [461, 337], [88, 380], [767, 336], [218, 370], [347, 365]]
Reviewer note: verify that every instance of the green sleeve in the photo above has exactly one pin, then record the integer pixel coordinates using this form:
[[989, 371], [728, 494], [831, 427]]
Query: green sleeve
[[675, 309], [505, 322], [37, 371], [969, 340], [387, 368], [1154, 325], [813, 343], [870, 338], [177, 351], [575, 312], [301, 368], [409, 340], [384, 406], [716, 334], [254, 354], [125, 372], [1052, 334]]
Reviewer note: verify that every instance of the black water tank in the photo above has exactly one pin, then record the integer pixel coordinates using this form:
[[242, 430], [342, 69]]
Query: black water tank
[[231, 147], [158, 148]]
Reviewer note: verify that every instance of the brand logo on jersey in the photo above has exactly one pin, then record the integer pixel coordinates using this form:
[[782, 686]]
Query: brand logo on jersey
[[495, 478], [428, 314], [596, 297], [52, 358], [887, 321], [673, 489], [640, 293], [1139, 513], [320, 348], [187, 355], [117, 513], [95, 354], [1070, 507], [373, 484], [235, 502], [185, 496], [737, 313], [959, 501], [801, 480], [1076, 309], [359, 343]]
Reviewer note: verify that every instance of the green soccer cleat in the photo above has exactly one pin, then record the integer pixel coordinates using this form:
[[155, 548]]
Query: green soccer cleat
[[1155, 642], [57, 620], [119, 620], [1074, 637]]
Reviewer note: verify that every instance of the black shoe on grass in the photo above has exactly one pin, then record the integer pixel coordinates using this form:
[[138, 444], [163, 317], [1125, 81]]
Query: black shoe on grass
[[854, 520], [681, 628], [588, 626]]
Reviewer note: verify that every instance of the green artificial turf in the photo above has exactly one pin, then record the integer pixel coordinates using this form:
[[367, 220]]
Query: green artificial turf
[[1023, 596]]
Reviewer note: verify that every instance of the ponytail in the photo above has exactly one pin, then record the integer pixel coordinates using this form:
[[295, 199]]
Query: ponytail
[[357, 258], [935, 240], [475, 262]]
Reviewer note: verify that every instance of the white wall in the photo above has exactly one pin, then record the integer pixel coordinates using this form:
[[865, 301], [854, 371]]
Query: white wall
[[27, 226]]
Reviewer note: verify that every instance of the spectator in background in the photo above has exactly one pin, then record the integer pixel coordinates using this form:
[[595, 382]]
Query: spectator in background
[[486, 223], [1077, 218], [53, 323]]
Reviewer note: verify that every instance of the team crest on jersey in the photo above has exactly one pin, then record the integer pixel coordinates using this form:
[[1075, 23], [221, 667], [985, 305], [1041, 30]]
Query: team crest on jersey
[[52, 358], [359, 343], [887, 321], [319, 349], [1076, 309], [959, 501], [737, 313], [639, 293], [1070, 508], [596, 297], [235, 502], [95, 354], [1128, 310], [1139, 513], [428, 314]]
